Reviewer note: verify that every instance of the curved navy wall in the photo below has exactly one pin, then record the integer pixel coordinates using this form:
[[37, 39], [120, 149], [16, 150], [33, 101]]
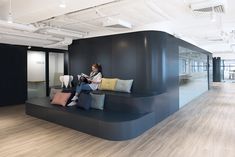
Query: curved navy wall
[[147, 57]]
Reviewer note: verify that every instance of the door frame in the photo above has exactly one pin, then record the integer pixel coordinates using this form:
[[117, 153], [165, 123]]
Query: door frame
[[47, 51]]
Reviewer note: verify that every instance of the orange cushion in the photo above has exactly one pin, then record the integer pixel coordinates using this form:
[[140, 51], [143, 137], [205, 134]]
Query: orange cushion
[[61, 98]]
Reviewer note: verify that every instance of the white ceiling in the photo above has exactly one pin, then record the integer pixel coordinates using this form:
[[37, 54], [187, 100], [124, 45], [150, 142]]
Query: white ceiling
[[86, 17]]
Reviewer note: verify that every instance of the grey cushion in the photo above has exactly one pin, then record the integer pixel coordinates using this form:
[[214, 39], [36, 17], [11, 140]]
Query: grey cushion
[[97, 101], [53, 92], [124, 85]]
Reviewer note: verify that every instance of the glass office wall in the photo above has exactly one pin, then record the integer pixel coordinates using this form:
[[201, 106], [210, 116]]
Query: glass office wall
[[193, 75], [37, 82], [36, 74], [228, 70]]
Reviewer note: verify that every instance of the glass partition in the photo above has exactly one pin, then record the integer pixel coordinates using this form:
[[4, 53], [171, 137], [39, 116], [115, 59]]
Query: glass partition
[[36, 74], [193, 75], [228, 70]]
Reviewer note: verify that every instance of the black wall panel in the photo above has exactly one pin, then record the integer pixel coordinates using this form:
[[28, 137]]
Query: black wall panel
[[142, 56], [13, 80], [216, 69], [13, 68], [148, 57]]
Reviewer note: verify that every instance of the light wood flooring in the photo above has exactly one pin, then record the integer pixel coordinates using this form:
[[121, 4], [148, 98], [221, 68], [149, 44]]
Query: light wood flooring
[[203, 128]]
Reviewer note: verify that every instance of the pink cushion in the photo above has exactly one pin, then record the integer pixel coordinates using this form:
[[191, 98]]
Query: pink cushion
[[61, 98]]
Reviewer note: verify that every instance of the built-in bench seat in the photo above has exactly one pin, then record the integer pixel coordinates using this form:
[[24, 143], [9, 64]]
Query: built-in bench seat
[[125, 115], [128, 102], [104, 124]]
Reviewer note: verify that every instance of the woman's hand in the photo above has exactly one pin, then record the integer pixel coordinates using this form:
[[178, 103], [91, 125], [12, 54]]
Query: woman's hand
[[90, 80]]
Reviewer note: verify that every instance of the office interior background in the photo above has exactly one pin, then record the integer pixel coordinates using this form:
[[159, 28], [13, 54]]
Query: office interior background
[[180, 55]]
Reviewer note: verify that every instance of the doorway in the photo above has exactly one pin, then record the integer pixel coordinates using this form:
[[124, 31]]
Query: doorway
[[44, 69], [36, 67]]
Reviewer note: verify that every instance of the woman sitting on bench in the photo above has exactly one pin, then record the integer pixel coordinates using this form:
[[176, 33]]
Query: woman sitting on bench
[[88, 83]]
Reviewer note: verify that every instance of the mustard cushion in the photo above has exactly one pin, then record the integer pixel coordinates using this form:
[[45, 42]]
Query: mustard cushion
[[108, 84]]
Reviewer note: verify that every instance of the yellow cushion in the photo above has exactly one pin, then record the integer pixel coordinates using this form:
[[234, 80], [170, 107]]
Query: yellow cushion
[[108, 84]]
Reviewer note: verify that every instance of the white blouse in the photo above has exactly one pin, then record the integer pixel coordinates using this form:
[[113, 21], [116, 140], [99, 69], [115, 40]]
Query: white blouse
[[96, 78]]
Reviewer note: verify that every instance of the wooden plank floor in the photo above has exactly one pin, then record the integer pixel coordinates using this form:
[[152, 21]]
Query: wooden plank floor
[[203, 128]]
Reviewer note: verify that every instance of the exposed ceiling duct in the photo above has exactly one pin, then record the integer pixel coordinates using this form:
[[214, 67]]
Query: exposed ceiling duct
[[65, 42], [207, 6], [62, 32], [31, 35], [37, 30], [16, 26]]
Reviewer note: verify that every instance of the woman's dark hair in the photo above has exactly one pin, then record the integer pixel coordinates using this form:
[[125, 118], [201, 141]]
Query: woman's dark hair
[[97, 66]]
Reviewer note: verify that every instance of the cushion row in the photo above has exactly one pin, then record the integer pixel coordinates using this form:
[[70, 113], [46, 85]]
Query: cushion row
[[85, 101], [114, 84]]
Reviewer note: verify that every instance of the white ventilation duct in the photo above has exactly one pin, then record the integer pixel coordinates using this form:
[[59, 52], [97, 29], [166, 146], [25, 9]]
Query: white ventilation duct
[[65, 42], [205, 6], [62, 32], [16, 26], [31, 35]]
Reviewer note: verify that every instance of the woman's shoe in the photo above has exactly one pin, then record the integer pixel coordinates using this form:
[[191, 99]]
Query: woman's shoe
[[74, 98], [72, 103]]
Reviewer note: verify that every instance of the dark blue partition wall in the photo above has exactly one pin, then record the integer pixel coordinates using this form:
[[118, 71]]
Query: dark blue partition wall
[[148, 57]]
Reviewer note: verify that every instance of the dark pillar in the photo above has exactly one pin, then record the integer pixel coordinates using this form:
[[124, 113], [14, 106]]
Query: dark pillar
[[66, 63], [47, 74], [216, 69]]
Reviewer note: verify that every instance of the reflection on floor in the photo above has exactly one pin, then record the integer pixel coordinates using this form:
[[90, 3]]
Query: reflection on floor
[[36, 89], [228, 81], [191, 90]]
